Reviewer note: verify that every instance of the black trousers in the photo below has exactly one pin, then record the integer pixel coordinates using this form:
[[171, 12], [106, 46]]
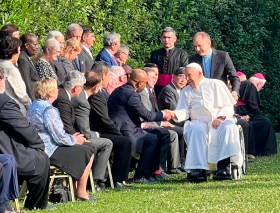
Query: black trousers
[[149, 157], [121, 156], [38, 186], [162, 148]]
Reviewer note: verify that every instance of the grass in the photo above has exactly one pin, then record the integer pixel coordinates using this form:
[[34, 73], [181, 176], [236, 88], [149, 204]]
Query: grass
[[258, 191]]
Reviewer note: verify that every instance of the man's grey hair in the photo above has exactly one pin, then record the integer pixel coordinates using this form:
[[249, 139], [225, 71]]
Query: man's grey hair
[[74, 78], [54, 34], [167, 30], [123, 48], [51, 43], [73, 27], [204, 35], [195, 66], [111, 38], [148, 70]]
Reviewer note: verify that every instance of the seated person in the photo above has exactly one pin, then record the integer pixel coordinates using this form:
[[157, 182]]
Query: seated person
[[249, 104], [19, 139], [121, 145], [148, 99], [72, 87], [125, 109], [8, 181], [60, 146], [118, 78], [210, 132]]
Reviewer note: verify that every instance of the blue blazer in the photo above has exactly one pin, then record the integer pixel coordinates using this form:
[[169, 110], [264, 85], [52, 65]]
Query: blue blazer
[[103, 55], [125, 109]]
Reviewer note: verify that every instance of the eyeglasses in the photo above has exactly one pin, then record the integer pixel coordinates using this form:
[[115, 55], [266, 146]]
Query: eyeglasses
[[57, 51], [127, 54]]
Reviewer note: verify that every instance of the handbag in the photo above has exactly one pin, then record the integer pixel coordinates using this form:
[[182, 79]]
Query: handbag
[[60, 194]]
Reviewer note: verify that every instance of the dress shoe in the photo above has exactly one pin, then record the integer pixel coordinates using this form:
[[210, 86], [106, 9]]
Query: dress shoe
[[98, 189], [142, 181], [197, 176], [90, 198], [119, 185], [222, 174], [174, 171], [154, 179], [182, 169]]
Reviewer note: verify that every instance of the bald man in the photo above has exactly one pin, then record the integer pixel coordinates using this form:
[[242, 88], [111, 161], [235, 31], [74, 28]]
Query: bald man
[[125, 109], [207, 105]]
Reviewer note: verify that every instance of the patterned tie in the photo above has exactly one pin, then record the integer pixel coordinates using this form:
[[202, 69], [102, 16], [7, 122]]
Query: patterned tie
[[154, 99], [165, 65]]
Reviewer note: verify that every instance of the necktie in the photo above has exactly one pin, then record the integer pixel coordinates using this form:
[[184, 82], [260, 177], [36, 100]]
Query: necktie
[[115, 60], [165, 65], [154, 98], [78, 63]]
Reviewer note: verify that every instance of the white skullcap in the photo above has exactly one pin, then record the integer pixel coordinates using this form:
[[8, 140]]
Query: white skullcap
[[195, 66]]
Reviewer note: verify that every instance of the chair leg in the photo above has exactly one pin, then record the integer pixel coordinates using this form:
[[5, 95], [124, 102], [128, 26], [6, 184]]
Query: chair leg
[[17, 205], [71, 188], [91, 181], [110, 175]]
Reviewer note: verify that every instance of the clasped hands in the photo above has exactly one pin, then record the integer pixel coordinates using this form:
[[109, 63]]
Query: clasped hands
[[168, 114]]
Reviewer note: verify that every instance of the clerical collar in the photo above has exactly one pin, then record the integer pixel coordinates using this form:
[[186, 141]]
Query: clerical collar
[[170, 49], [69, 96], [208, 55]]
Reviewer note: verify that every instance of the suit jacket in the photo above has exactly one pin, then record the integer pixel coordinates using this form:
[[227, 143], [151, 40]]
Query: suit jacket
[[99, 118], [222, 68], [88, 60], [20, 139], [82, 111], [28, 73], [168, 97], [81, 66], [59, 70], [66, 110], [125, 109], [103, 55]]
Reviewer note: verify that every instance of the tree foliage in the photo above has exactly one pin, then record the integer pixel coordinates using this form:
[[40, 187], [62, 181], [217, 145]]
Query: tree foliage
[[248, 30]]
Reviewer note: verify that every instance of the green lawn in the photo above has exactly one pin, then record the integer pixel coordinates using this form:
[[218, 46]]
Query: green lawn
[[259, 191]]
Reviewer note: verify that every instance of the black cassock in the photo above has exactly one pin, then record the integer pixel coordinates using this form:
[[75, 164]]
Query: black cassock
[[249, 104]]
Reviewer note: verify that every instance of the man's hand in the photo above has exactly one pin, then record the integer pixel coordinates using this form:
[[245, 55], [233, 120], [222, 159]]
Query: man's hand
[[168, 114], [216, 122], [79, 138], [245, 117], [147, 125], [234, 95], [167, 124]]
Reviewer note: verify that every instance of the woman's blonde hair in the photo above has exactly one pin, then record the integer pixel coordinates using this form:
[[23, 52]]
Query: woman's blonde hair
[[70, 44], [44, 87]]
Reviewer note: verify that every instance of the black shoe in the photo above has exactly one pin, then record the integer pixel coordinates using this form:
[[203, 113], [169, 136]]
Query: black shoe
[[142, 181], [197, 176], [154, 179], [182, 169], [98, 189], [222, 174], [119, 185]]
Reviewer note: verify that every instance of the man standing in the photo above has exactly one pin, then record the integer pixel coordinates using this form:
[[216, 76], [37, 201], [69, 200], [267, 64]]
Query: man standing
[[76, 31], [215, 64], [210, 131], [25, 65], [111, 44], [249, 104], [168, 59], [87, 41]]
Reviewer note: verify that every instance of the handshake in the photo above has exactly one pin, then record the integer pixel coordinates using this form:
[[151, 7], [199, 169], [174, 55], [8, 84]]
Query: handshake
[[168, 114]]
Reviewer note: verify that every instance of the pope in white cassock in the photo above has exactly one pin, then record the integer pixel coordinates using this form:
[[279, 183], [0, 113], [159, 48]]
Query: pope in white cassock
[[209, 131]]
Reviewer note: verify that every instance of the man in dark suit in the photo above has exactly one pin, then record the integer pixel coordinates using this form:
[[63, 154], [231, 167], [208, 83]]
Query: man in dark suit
[[216, 64], [76, 31], [19, 139], [111, 44], [125, 109], [25, 65], [168, 59], [87, 42], [72, 87], [121, 145]]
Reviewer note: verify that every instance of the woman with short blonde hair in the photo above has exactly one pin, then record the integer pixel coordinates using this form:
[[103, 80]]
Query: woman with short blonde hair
[[60, 146], [69, 53]]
